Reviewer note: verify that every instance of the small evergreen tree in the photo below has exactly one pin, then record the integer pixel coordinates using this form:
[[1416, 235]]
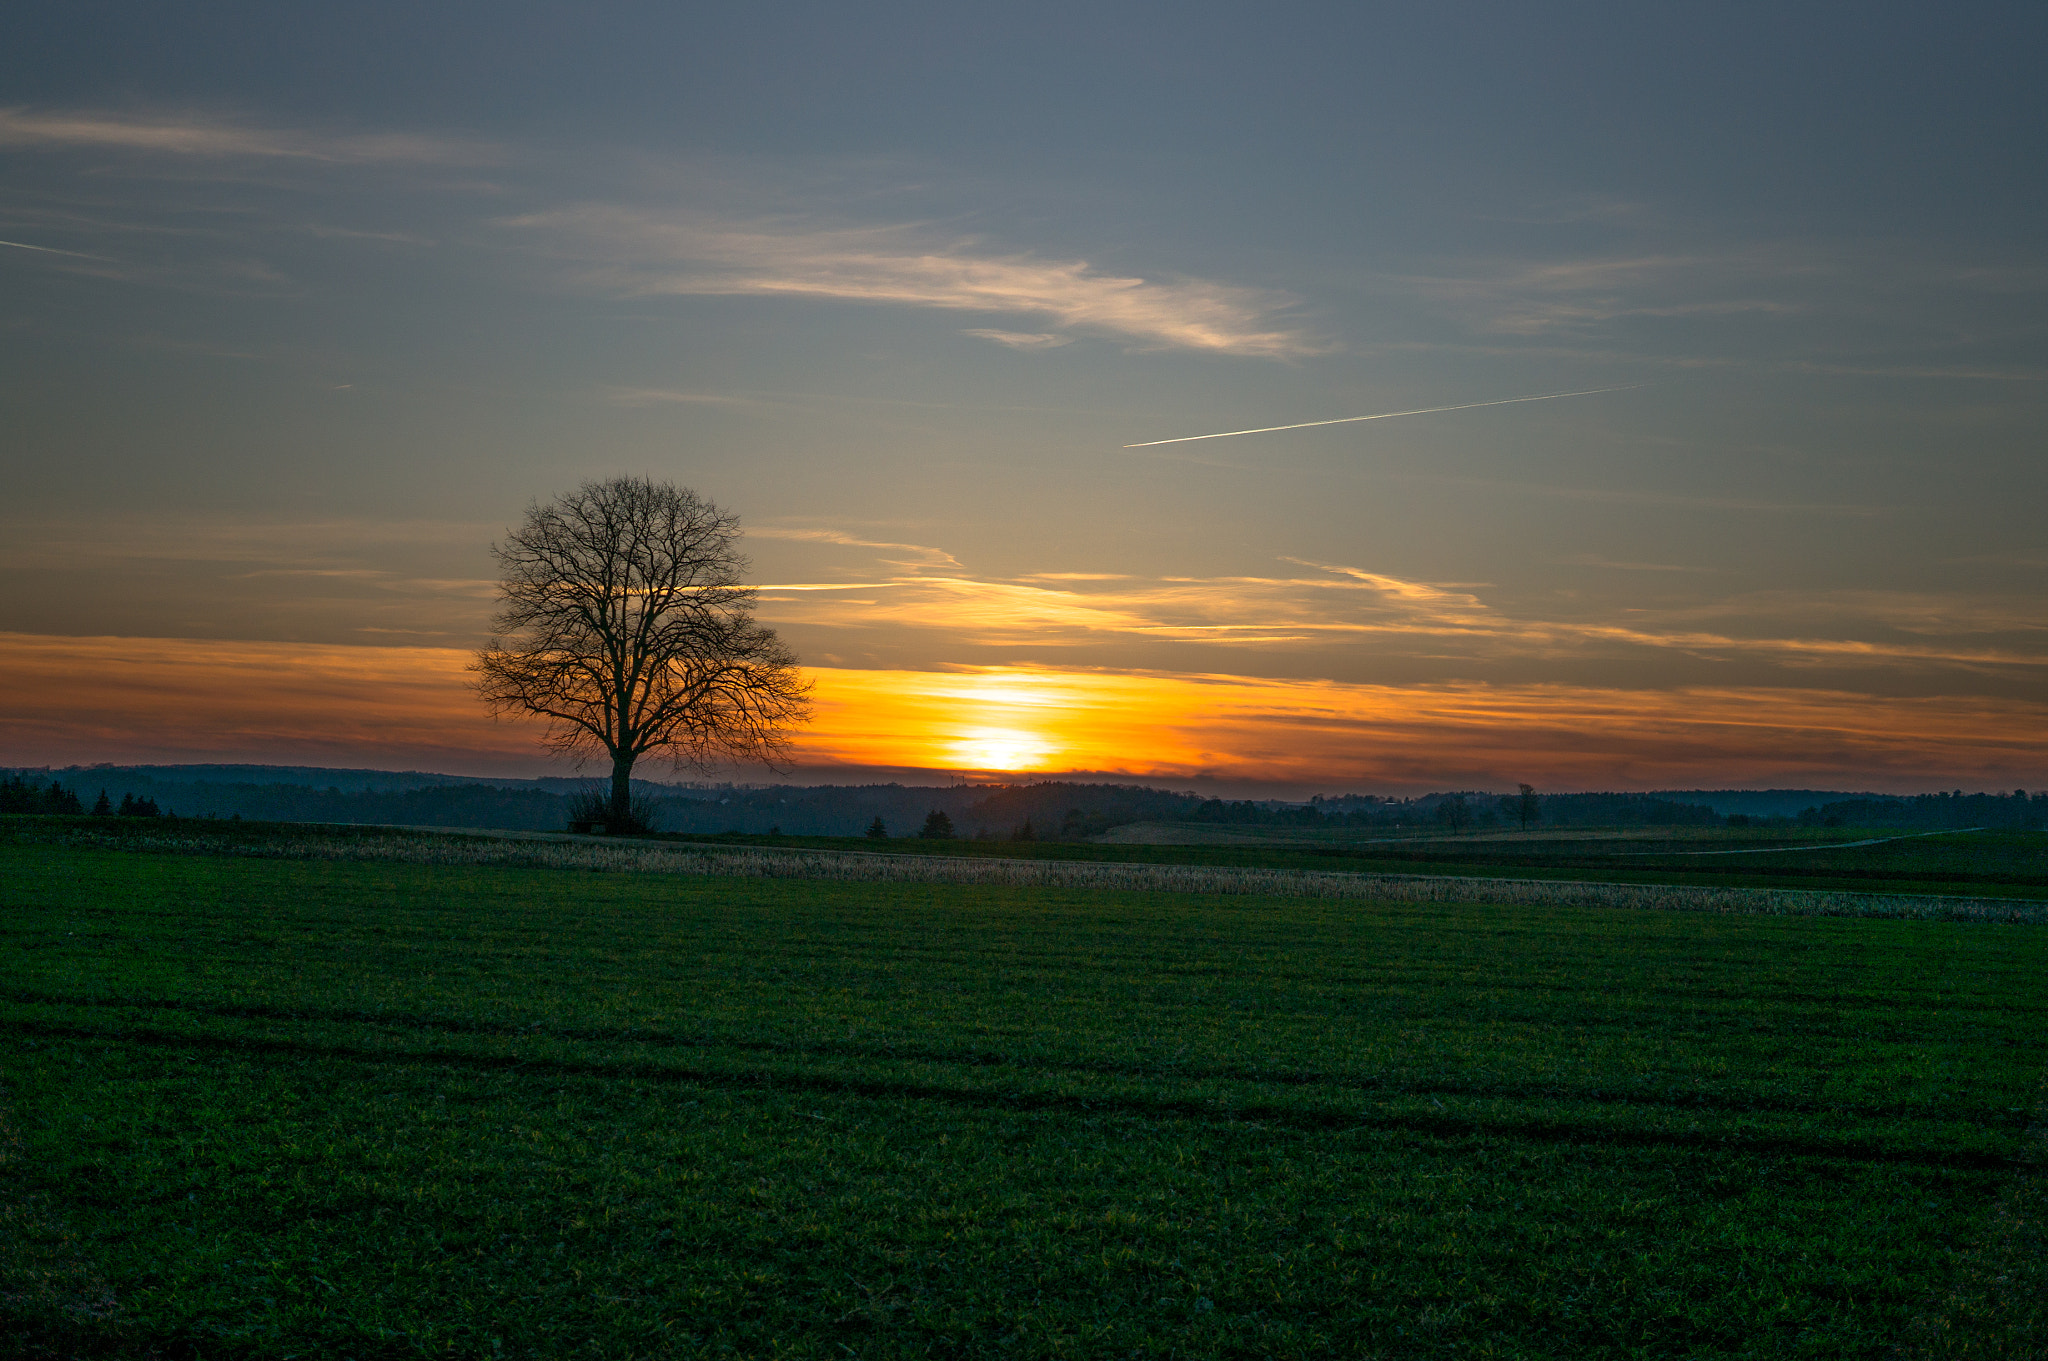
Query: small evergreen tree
[[1529, 806], [937, 826], [127, 809], [1024, 833], [101, 808], [878, 830]]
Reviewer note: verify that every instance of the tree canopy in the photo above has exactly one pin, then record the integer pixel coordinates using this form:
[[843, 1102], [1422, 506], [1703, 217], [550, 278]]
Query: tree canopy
[[626, 628]]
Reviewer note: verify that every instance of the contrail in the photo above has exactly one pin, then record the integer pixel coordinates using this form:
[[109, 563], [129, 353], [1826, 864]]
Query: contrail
[[1384, 415], [51, 250]]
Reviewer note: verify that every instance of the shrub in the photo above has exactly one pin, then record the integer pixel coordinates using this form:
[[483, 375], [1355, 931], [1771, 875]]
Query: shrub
[[595, 805]]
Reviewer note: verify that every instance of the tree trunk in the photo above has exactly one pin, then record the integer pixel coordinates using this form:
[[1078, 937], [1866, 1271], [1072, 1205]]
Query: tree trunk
[[622, 790]]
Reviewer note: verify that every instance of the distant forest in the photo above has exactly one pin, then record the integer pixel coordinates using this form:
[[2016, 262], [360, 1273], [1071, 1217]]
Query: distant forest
[[1934, 812], [1049, 810]]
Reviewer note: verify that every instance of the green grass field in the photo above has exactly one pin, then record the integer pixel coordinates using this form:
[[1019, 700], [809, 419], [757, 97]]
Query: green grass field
[[274, 1107], [2003, 864], [1993, 862]]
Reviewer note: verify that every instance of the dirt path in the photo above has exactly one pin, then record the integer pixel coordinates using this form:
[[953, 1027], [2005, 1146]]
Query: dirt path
[[1817, 846]]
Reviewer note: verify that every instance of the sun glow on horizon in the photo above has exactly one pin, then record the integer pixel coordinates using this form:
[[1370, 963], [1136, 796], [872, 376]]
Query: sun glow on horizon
[[1001, 749], [1002, 719], [173, 700]]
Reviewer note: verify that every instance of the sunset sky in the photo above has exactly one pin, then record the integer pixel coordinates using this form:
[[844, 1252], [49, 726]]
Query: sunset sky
[[302, 305]]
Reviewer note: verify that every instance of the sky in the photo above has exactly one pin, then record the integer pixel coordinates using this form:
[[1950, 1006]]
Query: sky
[[302, 306]]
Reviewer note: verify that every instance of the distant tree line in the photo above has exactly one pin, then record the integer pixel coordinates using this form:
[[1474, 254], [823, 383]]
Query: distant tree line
[[1934, 812], [1047, 810], [24, 794], [19, 794], [452, 805], [1467, 810], [1061, 811]]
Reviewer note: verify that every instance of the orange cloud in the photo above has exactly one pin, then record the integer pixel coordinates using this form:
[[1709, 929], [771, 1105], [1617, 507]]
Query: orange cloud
[[180, 699], [153, 699], [1340, 605]]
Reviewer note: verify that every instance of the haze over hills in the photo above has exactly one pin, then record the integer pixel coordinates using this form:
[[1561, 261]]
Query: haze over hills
[[1052, 808], [315, 777], [1764, 803]]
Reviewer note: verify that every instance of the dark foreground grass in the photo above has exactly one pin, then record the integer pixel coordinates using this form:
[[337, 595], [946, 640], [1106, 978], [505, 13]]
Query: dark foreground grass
[[268, 1108]]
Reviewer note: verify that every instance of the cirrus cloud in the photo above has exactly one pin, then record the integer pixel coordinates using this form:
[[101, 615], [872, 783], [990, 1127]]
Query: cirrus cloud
[[208, 136], [639, 252], [1019, 340]]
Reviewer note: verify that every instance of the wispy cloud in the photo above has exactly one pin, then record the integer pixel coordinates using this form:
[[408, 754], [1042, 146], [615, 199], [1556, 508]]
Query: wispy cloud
[[1537, 299], [631, 251], [200, 135], [1077, 576], [1020, 340], [626, 396], [324, 232], [171, 538], [1336, 605], [921, 555]]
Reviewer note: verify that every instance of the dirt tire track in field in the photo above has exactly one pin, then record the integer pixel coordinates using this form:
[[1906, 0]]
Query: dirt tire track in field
[[1337, 1120], [44, 1278], [1999, 1312]]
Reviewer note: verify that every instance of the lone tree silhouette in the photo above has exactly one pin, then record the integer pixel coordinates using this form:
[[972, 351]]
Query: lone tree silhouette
[[626, 628]]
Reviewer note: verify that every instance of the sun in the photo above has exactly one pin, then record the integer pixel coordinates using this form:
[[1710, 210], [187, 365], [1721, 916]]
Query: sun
[[1000, 749]]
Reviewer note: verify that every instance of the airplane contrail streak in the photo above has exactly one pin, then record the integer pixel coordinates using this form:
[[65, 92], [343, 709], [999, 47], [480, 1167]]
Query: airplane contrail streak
[[1384, 415], [51, 250]]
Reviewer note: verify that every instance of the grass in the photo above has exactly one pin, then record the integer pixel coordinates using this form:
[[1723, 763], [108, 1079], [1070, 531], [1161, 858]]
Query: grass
[[1975, 864], [342, 1108], [778, 859], [1998, 863]]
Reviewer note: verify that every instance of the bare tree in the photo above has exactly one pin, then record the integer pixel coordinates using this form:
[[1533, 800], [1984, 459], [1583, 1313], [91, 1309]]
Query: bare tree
[[1454, 812], [626, 628]]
